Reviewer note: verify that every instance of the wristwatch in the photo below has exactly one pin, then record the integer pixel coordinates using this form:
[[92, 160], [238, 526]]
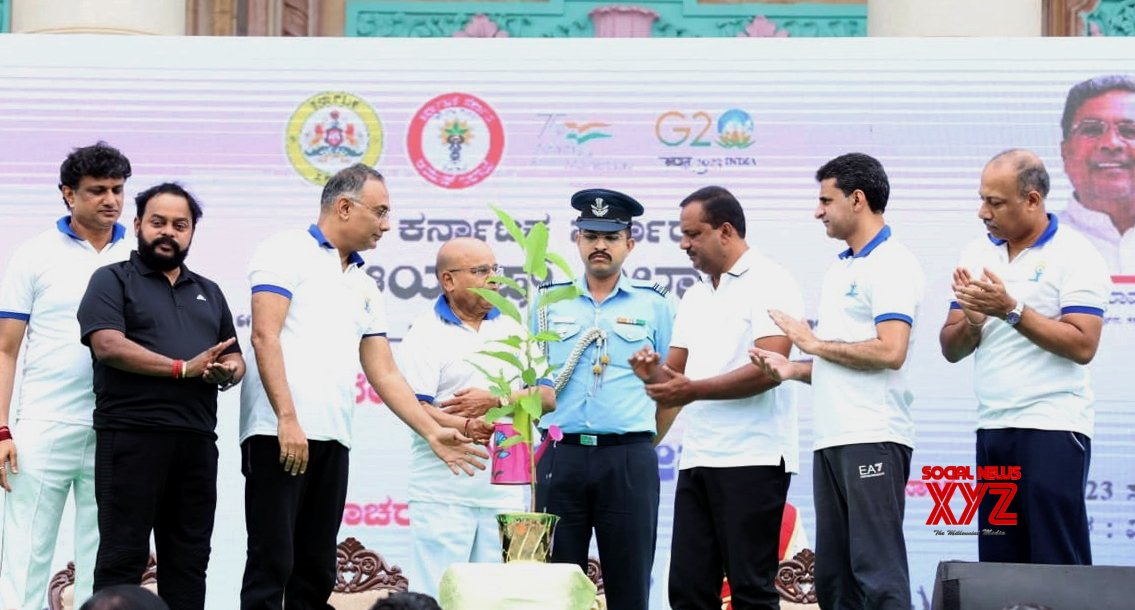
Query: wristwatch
[[1014, 316]]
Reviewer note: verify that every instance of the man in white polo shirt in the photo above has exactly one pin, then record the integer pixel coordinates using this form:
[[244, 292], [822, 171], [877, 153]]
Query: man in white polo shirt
[[1029, 305], [740, 443], [454, 521], [316, 315], [39, 296], [863, 427]]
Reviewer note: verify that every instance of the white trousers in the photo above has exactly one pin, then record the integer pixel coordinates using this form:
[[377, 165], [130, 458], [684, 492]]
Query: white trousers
[[54, 458], [444, 534]]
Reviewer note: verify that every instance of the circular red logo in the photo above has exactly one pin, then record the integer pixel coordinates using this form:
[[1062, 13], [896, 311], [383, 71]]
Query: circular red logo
[[455, 140]]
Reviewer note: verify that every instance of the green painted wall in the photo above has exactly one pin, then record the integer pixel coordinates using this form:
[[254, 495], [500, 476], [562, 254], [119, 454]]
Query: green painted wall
[[569, 18], [1111, 18]]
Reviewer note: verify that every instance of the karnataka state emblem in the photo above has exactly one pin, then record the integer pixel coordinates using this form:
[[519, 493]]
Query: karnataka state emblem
[[455, 140], [331, 131]]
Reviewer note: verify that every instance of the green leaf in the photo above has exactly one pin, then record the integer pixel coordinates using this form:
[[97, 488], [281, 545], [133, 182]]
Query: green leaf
[[535, 252], [510, 225], [507, 281], [500, 302], [557, 294], [515, 439], [522, 423], [529, 377], [508, 357], [497, 413], [546, 335], [560, 263], [531, 406], [512, 341], [500, 382]]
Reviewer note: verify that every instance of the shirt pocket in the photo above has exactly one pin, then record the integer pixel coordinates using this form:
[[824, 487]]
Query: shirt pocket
[[624, 341]]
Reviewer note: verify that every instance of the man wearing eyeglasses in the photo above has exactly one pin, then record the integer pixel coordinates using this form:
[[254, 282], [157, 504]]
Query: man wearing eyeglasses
[[1099, 158], [1029, 305], [603, 474], [316, 315], [454, 521]]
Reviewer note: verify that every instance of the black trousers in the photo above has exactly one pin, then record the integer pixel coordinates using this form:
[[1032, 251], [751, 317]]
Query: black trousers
[[164, 482], [1052, 518], [860, 496], [615, 491], [727, 523], [293, 525]]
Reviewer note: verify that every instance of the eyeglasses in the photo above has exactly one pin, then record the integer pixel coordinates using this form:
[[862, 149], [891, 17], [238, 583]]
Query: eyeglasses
[[481, 270], [379, 214], [1095, 128]]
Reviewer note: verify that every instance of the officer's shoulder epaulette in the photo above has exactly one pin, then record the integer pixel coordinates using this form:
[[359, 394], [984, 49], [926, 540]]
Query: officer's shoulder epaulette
[[648, 285], [551, 284]]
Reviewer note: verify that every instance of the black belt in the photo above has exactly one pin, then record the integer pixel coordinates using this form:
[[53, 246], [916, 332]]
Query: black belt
[[605, 440]]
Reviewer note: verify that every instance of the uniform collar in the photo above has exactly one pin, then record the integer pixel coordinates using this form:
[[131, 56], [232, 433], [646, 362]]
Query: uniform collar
[[445, 312], [1049, 231], [354, 258], [883, 235], [64, 226]]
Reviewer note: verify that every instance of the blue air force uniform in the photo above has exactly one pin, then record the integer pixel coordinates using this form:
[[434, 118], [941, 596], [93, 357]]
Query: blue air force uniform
[[603, 475]]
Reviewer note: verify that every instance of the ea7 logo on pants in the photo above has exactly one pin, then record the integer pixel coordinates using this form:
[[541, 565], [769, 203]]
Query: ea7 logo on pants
[[867, 471]]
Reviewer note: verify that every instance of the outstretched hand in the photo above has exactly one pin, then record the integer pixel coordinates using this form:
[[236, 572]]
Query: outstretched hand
[[457, 451]]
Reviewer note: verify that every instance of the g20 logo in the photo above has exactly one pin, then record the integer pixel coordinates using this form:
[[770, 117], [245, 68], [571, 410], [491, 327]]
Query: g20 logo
[[733, 129]]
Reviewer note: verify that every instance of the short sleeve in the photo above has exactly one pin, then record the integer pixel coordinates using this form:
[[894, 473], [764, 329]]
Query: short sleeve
[[418, 363], [17, 289], [781, 292], [1086, 286], [897, 288], [376, 310], [272, 268], [103, 304]]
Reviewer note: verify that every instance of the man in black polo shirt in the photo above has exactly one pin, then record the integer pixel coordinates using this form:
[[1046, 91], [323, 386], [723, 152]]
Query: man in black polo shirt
[[163, 342]]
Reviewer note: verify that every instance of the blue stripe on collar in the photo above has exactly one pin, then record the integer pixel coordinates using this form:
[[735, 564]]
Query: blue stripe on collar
[[319, 237], [883, 235], [445, 312], [354, 258], [1045, 237], [64, 226]]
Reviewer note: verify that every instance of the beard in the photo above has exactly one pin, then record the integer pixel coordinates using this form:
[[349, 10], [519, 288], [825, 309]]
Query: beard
[[149, 254]]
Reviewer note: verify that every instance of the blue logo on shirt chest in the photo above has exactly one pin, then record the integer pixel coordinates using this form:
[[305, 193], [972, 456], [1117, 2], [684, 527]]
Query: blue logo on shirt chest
[[1037, 273], [852, 290]]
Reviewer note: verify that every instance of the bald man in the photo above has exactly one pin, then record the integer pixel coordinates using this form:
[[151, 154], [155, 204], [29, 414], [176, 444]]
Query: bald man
[[1029, 304], [454, 521]]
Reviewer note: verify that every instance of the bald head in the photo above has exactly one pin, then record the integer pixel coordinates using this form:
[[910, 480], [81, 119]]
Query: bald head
[[1028, 168], [461, 253]]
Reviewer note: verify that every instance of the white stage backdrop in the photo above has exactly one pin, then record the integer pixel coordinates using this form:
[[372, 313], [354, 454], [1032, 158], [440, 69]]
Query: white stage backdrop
[[249, 126]]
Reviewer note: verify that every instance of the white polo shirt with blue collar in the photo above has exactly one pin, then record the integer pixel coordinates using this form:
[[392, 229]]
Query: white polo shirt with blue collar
[[436, 357], [331, 310], [1019, 384], [43, 285], [881, 282], [717, 326]]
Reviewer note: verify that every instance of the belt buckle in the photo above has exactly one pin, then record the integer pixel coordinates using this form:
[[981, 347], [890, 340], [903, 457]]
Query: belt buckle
[[589, 440]]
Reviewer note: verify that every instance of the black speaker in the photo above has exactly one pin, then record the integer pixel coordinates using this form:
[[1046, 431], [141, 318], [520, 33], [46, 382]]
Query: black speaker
[[963, 585]]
